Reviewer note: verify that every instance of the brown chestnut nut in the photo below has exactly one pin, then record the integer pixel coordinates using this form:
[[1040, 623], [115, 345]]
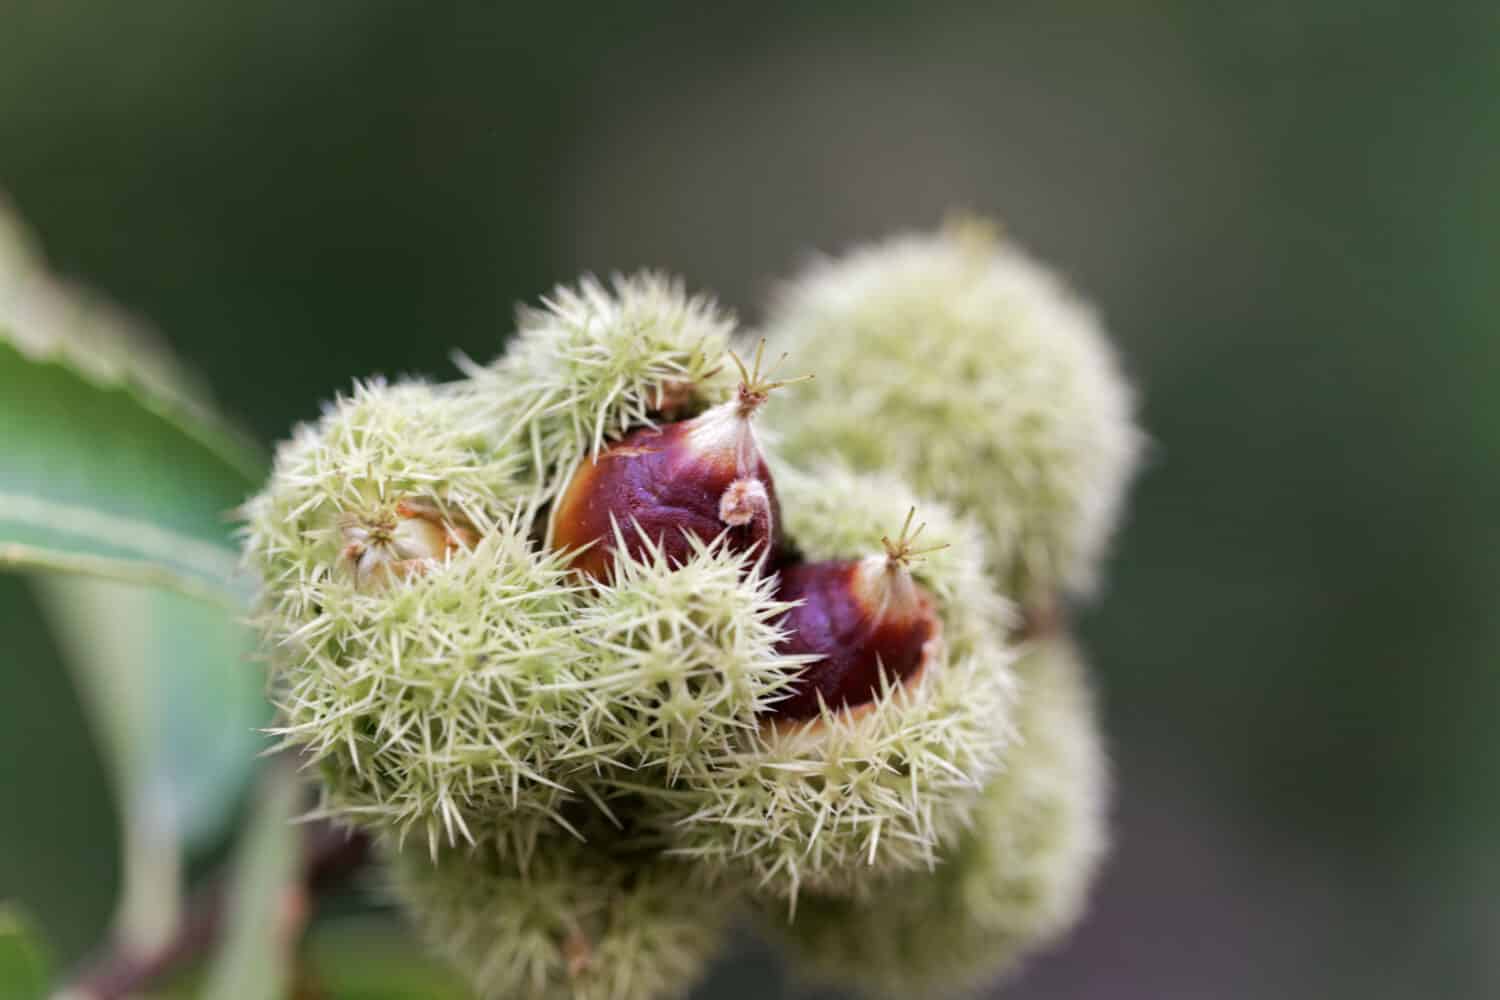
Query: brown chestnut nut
[[410, 537], [860, 618], [698, 478]]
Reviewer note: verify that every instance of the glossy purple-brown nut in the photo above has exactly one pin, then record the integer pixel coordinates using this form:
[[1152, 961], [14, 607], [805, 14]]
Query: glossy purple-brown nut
[[860, 618], [664, 486], [657, 486]]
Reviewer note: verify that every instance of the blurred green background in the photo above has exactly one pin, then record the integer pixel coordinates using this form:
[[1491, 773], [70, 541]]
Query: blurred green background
[[1286, 212]]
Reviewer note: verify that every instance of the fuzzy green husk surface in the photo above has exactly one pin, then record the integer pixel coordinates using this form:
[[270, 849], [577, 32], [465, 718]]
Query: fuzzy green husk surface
[[958, 363], [841, 800], [578, 922], [1013, 883]]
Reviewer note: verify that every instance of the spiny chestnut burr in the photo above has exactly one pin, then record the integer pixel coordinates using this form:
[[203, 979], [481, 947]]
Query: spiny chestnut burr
[[411, 537], [698, 478], [1013, 880], [860, 618], [983, 382]]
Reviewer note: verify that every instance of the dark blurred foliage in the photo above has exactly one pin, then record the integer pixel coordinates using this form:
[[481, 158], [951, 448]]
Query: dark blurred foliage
[[1287, 214]]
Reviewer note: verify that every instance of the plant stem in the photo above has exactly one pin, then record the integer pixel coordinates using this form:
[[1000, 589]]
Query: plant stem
[[329, 855]]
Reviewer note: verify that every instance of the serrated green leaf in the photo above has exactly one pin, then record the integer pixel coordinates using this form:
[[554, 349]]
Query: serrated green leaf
[[112, 460], [114, 464], [171, 690], [92, 481], [24, 968], [254, 961]]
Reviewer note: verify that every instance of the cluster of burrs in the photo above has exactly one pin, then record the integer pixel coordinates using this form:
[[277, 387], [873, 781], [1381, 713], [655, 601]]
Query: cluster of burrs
[[601, 668]]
